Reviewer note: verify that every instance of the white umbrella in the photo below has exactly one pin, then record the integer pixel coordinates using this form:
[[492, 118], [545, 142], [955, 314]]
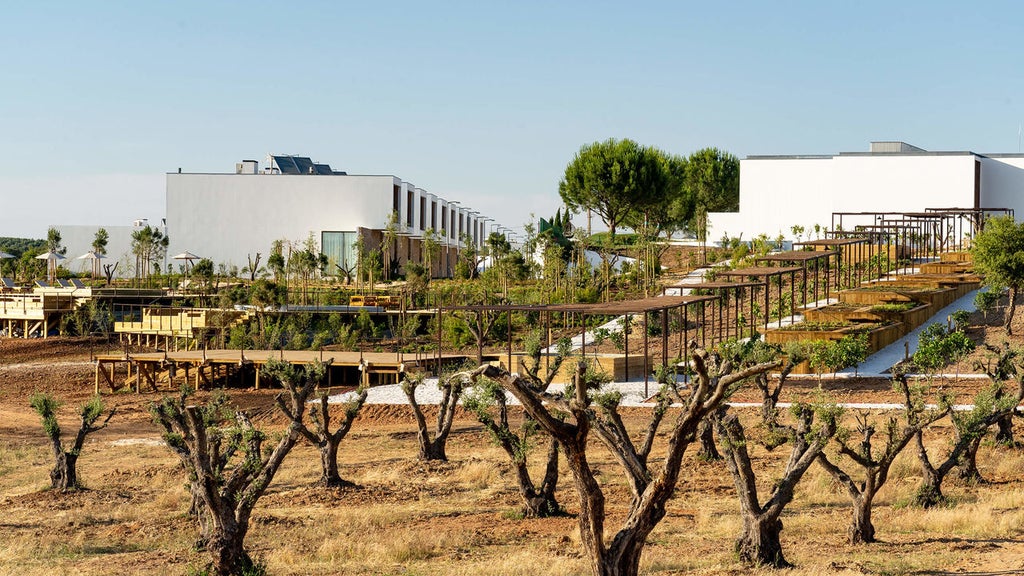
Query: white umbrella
[[188, 257], [95, 257], [5, 255], [51, 263]]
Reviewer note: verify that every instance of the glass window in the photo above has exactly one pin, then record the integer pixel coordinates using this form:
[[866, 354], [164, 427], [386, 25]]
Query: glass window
[[340, 249]]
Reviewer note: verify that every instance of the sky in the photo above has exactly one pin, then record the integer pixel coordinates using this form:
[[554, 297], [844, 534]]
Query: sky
[[482, 102]]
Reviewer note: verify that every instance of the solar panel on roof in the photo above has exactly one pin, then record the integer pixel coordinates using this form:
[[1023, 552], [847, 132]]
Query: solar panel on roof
[[286, 164], [305, 165], [323, 169]]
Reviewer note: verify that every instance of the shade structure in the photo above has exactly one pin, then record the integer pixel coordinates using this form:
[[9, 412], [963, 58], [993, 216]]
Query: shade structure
[[95, 257], [188, 257], [51, 263], [5, 254]]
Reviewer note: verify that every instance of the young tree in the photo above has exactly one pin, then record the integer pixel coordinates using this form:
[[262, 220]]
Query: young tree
[[149, 244], [620, 556], [451, 385], [998, 255], [874, 465], [64, 476], [227, 465], [759, 544], [53, 241], [969, 426], [321, 436], [490, 404], [99, 247]]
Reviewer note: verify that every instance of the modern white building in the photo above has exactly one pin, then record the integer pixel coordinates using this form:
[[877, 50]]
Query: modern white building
[[778, 192], [230, 217]]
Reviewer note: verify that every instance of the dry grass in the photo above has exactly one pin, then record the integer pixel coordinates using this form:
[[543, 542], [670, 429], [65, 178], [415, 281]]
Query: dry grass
[[408, 517]]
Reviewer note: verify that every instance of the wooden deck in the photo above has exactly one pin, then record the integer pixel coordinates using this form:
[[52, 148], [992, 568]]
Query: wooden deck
[[38, 310], [202, 368]]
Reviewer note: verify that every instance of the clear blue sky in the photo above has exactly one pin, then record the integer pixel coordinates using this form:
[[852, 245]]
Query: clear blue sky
[[485, 101]]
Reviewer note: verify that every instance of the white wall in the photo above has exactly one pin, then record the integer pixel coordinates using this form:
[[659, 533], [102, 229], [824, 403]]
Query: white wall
[[225, 217], [777, 193], [78, 240], [1002, 184]]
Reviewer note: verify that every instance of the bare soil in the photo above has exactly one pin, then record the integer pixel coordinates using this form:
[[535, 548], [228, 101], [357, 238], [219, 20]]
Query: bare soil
[[459, 517]]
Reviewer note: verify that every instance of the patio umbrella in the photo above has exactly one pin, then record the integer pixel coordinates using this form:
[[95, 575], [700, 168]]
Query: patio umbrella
[[51, 263], [188, 257], [95, 257], [5, 255]]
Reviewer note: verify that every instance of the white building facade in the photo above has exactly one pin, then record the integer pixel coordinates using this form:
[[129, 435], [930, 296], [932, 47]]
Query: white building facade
[[780, 192], [230, 217]]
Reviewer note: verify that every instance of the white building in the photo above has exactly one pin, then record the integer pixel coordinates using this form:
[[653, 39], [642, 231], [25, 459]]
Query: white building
[[778, 192], [229, 217]]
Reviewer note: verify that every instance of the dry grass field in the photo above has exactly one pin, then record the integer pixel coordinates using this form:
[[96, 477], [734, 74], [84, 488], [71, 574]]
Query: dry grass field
[[460, 517]]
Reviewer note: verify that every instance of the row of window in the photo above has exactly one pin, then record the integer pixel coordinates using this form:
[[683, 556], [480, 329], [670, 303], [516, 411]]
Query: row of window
[[465, 225]]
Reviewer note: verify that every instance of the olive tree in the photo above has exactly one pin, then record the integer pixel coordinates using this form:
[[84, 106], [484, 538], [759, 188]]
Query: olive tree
[[489, 401], [651, 486], [871, 462], [998, 255], [227, 465], [64, 476]]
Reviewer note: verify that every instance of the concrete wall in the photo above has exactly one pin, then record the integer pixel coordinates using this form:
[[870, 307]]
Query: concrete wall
[[78, 240], [777, 193]]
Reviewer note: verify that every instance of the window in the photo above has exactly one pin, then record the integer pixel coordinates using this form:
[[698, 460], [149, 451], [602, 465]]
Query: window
[[409, 209], [423, 213], [433, 215], [340, 249]]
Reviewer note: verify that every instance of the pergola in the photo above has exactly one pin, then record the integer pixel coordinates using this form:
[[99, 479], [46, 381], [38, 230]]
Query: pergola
[[845, 256], [721, 292], [663, 304], [766, 273], [802, 258]]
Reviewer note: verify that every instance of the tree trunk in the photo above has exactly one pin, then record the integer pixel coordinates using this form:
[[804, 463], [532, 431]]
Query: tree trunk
[[432, 450], [201, 513], [708, 451], [1004, 431], [929, 494], [759, 544], [64, 477], [329, 465], [540, 503], [968, 469], [225, 546], [862, 531], [1010, 311]]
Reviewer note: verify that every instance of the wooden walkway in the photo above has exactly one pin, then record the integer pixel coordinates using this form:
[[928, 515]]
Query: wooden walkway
[[201, 368]]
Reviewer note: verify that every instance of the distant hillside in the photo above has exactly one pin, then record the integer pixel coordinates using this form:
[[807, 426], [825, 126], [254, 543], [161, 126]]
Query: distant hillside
[[17, 246]]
